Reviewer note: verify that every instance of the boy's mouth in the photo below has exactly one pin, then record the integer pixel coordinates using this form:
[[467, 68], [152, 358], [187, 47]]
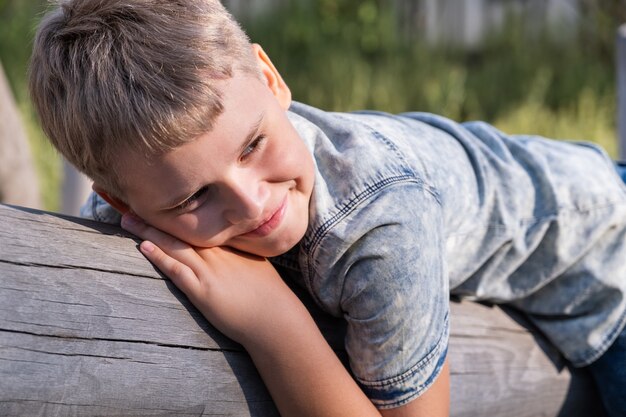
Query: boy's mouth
[[271, 223]]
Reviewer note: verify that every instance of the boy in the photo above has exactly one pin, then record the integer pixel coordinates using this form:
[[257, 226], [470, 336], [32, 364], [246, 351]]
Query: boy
[[190, 132]]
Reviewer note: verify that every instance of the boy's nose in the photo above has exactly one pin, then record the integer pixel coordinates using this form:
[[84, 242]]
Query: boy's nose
[[246, 200]]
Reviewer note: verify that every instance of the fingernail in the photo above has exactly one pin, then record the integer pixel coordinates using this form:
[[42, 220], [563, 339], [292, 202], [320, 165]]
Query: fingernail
[[146, 246]]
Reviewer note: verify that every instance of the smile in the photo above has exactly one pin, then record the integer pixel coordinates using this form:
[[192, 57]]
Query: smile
[[269, 225]]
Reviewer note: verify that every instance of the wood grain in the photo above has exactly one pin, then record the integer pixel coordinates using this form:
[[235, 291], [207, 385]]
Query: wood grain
[[89, 327]]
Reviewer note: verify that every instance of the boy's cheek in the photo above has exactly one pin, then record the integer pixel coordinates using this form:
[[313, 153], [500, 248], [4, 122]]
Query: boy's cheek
[[190, 231], [168, 225]]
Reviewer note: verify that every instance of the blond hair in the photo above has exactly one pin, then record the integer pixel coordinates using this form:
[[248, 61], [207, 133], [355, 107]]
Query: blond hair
[[111, 76]]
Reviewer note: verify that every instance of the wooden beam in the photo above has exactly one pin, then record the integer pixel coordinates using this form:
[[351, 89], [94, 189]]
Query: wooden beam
[[89, 327]]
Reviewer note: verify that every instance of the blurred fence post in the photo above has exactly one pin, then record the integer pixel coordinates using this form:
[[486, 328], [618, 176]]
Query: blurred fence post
[[621, 90], [74, 190], [18, 178]]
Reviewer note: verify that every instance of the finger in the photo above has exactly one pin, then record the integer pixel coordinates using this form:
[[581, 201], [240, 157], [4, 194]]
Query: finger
[[180, 274], [168, 244], [138, 227]]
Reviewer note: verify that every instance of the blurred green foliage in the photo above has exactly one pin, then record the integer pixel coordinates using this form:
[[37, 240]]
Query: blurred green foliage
[[349, 54], [352, 54], [18, 19]]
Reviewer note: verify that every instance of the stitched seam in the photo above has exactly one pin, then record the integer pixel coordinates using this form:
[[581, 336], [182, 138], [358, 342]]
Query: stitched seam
[[354, 202], [427, 360], [590, 355]]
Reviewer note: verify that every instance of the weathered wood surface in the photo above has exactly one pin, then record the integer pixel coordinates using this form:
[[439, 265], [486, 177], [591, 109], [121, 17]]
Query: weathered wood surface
[[88, 327]]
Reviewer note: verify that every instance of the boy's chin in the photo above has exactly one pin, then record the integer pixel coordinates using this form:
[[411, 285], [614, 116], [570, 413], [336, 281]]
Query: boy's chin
[[273, 246], [263, 250], [266, 251]]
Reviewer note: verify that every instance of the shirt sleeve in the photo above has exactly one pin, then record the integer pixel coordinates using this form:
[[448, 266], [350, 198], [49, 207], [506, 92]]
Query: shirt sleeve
[[96, 208], [394, 294]]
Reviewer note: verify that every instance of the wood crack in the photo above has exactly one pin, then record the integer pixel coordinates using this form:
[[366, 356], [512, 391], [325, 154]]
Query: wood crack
[[100, 406], [47, 352], [78, 267], [138, 342]]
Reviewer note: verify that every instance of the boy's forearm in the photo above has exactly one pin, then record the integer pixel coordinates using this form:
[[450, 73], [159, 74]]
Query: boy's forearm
[[305, 377], [302, 373]]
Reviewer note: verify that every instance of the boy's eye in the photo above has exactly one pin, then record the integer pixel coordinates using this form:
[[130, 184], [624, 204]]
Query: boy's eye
[[193, 201], [253, 146]]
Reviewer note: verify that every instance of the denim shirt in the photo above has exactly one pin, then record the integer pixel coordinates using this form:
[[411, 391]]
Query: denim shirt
[[409, 208]]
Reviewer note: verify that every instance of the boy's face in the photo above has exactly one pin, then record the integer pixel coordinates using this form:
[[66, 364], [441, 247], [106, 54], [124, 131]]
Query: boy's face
[[245, 184]]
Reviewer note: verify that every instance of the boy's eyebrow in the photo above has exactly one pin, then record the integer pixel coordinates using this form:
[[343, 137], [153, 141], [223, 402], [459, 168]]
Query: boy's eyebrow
[[174, 202]]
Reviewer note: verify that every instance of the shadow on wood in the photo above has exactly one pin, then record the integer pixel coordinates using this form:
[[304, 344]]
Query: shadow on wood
[[89, 327]]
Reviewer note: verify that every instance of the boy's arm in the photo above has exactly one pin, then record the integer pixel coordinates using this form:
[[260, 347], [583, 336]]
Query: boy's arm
[[244, 297]]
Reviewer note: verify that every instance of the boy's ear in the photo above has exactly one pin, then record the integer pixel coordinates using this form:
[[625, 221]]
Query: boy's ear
[[274, 81], [114, 202]]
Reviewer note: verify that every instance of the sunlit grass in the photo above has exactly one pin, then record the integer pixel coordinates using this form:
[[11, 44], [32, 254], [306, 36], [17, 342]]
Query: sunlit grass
[[590, 118]]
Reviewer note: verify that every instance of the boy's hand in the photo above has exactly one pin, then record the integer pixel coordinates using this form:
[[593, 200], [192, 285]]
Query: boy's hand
[[237, 292]]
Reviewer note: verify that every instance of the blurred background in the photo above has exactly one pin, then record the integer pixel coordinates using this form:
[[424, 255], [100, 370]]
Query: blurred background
[[545, 67]]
